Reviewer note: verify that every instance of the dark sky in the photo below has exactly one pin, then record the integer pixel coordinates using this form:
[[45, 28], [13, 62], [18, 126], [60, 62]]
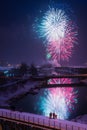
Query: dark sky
[[19, 43]]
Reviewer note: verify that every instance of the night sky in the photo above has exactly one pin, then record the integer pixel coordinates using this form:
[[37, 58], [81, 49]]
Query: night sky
[[19, 43]]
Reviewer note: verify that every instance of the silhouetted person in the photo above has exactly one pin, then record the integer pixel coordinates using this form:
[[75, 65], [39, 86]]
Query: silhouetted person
[[50, 115]]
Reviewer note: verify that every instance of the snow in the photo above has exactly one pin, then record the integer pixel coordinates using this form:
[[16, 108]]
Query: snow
[[81, 119], [5, 68], [10, 92]]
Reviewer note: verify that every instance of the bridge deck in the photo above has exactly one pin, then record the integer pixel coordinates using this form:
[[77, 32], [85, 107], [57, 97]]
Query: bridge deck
[[40, 121], [41, 78]]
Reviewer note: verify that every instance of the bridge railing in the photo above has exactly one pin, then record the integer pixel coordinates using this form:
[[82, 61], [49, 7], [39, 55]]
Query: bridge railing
[[37, 120]]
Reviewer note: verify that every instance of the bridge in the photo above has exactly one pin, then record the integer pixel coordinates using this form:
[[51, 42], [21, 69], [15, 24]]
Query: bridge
[[33, 84], [80, 80], [14, 120], [59, 76], [18, 87]]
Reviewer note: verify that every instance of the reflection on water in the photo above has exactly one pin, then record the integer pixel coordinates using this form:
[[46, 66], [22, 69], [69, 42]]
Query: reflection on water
[[29, 103]]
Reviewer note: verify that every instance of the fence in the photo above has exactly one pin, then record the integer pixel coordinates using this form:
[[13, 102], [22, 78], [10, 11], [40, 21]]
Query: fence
[[39, 121]]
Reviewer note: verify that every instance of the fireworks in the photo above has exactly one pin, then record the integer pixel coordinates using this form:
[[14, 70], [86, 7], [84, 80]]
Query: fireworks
[[62, 49], [53, 25], [59, 33]]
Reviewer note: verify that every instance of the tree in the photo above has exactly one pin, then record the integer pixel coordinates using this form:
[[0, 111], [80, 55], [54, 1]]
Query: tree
[[23, 68], [33, 70]]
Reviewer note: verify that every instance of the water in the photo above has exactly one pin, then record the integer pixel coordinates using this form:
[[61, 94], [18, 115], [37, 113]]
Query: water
[[29, 103]]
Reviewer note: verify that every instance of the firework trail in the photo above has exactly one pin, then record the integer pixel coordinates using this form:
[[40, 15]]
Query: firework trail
[[59, 34]]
